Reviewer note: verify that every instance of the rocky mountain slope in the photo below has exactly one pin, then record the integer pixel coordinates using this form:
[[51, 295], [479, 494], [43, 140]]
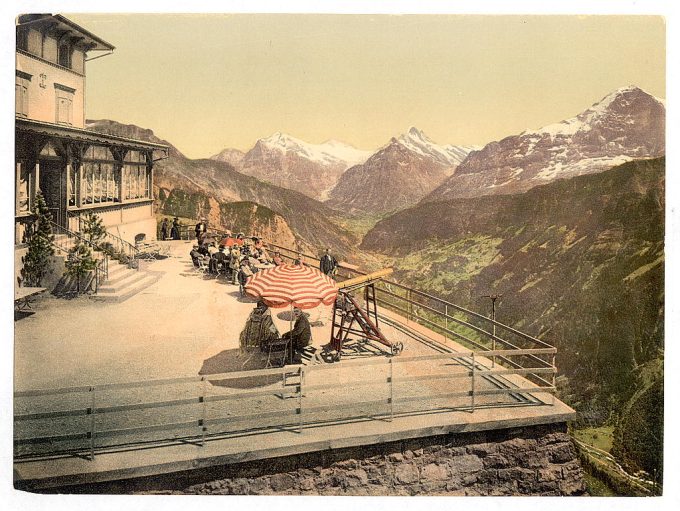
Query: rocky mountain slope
[[200, 188], [397, 176], [233, 157], [312, 169], [579, 262], [448, 155], [627, 124]]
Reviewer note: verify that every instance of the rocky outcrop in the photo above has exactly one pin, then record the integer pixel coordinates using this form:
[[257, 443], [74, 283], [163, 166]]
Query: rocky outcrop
[[539, 460], [197, 188], [258, 221]]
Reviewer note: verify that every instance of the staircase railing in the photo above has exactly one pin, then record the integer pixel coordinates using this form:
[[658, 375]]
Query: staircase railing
[[101, 270], [117, 244]]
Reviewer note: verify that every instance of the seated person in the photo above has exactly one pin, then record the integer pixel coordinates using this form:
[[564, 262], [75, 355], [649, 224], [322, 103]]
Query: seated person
[[219, 260], [212, 249], [301, 334], [203, 249], [264, 257], [195, 255], [278, 260], [260, 329]]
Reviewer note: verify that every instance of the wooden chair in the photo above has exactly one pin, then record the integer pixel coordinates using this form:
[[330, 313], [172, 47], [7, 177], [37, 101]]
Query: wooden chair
[[278, 352]]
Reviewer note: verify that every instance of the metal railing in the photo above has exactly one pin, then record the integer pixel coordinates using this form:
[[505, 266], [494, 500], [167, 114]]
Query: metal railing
[[101, 417], [112, 244], [65, 240], [453, 322], [495, 360]]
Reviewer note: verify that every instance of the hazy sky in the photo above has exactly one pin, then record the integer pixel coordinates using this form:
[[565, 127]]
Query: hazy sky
[[206, 82]]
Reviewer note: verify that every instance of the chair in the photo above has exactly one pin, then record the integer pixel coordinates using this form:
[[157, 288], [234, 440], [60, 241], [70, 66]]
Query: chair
[[203, 265], [278, 352]]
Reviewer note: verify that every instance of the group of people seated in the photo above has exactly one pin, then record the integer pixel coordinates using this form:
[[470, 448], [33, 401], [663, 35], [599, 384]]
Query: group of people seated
[[236, 257], [260, 332]]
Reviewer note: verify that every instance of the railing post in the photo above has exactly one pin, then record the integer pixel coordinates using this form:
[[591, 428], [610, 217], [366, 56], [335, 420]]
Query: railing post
[[204, 411], [391, 389], [299, 389], [92, 411], [446, 319], [552, 394], [472, 392], [410, 307]]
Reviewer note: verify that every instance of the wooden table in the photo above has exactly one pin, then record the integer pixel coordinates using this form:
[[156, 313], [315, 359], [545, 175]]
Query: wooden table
[[23, 295]]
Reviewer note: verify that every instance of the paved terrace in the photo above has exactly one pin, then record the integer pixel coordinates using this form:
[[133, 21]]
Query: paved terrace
[[185, 325]]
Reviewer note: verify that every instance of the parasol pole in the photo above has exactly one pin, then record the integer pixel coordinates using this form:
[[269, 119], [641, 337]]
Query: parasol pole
[[290, 330]]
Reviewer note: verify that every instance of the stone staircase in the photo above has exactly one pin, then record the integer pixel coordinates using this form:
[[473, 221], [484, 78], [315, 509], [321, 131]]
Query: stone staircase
[[124, 282]]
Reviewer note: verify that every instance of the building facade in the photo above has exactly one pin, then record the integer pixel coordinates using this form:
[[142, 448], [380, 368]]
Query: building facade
[[76, 170]]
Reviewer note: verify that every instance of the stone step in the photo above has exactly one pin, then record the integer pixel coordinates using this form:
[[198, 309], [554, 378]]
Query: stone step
[[125, 280], [118, 272], [132, 288]]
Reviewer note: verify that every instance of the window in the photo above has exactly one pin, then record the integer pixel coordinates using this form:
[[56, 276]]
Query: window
[[135, 176], [98, 171], [23, 188], [64, 55], [64, 107], [21, 94]]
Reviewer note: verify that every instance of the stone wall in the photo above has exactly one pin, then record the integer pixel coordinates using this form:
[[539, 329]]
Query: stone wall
[[540, 460]]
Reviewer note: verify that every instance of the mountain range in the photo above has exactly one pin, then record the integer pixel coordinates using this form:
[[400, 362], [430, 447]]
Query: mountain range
[[397, 176], [566, 222], [626, 124], [283, 160], [213, 189], [579, 263]]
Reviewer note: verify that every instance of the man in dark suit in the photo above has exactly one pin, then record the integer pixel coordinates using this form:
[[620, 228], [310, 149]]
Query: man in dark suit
[[328, 263], [301, 334]]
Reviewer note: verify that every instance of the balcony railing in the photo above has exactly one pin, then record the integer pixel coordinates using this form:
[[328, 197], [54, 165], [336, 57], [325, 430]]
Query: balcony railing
[[476, 363], [100, 417]]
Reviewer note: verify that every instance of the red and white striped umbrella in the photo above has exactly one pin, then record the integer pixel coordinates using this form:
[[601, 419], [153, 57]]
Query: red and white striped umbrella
[[297, 286]]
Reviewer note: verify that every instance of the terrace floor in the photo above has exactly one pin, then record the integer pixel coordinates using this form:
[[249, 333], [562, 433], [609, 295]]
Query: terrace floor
[[186, 324]]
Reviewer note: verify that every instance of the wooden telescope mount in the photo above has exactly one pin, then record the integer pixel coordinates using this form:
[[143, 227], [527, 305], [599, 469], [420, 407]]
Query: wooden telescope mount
[[350, 319]]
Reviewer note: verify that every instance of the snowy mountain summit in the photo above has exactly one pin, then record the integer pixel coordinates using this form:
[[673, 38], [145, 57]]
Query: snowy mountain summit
[[626, 124], [312, 169], [450, 155], [331, 152]]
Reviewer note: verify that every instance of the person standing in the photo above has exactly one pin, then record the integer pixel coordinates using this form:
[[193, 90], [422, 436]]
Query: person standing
[[328, 264], [164, 229], [234, 263], [174, 232], [243, 275], [200, 229]]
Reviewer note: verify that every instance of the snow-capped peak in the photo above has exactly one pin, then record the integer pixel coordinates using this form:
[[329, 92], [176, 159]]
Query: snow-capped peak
[[330, 152], [415, 140], [585, 120]]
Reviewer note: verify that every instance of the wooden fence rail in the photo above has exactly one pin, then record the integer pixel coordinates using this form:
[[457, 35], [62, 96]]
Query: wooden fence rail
[[299, 393]]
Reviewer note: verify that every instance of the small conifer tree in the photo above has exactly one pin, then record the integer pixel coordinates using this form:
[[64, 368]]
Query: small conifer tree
[[37, 260], [93, 228], [80, 262]]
